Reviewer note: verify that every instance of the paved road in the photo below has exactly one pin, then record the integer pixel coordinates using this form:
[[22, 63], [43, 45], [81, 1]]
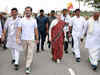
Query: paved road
[[42, 64]]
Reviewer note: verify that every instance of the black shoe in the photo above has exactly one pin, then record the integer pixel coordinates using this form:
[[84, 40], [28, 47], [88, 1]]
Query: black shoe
[[77, 59], [37, 50], [94, 67], [4, 47], [73, 53], [42, 49], [13, 61], [28, 70], [66, 52], [16, 67], [49, 46]]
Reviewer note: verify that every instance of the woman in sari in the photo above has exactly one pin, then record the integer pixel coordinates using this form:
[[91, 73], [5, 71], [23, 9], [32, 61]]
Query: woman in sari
[[57, 38]]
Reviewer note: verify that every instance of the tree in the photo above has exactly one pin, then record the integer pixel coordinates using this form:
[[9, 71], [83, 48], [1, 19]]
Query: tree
[[79, 1], [94, 3]]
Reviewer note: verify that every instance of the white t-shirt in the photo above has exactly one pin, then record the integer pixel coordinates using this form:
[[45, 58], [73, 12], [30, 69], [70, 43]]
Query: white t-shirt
[[28, 26]]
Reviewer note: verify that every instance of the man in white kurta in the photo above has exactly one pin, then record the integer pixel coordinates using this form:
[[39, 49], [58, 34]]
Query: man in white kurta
[[10, 29], [93, 40], [77, 23]]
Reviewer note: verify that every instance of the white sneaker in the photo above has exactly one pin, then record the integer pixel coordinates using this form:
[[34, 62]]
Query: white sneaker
[[99, 60], [58, 61], [28, 70]]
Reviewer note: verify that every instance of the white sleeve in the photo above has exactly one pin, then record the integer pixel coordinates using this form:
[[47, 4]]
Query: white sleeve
[[35, 23], [85, 28], [6, 24], [20, 23]]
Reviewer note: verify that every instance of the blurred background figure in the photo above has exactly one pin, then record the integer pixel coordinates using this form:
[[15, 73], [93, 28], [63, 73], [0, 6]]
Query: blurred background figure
[[42, 23], [50, 18]]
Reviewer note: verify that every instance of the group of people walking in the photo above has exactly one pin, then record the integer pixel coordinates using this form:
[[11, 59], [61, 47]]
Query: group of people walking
[[29, 34]]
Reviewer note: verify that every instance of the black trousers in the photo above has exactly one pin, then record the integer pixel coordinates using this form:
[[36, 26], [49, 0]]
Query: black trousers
[[72, 42], [65, 46], [42, 37], [49, 43], [66, 42]]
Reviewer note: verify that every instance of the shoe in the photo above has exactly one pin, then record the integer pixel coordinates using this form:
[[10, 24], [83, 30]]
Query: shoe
[[37, 50], [28, 70], [4, 47], [77, 59], [49, 46], [89, 60], [94, 67], [16, 67], [66, 52], [13, 61], [42, 48], [58, 61], [73, 53], [99, 60], [55, 61]]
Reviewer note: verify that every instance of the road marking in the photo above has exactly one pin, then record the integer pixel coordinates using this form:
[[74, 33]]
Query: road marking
[[71, 71]]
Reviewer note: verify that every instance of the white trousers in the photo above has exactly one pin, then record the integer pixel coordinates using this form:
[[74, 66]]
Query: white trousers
[[94, 55], [15, 55], [76, 47]]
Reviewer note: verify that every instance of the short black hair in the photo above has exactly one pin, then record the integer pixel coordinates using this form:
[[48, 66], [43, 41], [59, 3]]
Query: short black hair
[[52, 11], [41, 10], [64, 10], [14, 9], [77, 10], [29, 8]]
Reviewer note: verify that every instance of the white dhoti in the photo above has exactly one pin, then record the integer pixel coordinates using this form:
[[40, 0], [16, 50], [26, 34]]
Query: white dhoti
[[93, 41], [94, 55], [15, 49]]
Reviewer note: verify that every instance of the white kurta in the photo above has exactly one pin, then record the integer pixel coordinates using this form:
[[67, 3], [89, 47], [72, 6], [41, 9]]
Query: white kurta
[[93, 39], [11, 27], [78, 26], [77, 33]]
